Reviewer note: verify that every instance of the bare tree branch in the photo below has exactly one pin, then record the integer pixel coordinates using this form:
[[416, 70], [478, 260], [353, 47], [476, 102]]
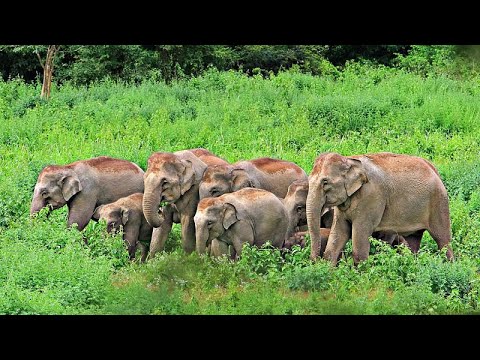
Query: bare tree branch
[[40, 59]]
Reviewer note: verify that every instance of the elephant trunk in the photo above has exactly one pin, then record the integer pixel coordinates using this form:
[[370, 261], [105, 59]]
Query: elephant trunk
[[201, 234], [38, 203], [314, 207], [151, 203], [131, 248]]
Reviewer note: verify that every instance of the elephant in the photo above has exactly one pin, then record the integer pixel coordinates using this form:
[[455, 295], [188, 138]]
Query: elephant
[[173, 178], [295, 201], [85, 184], [127, 212], [249, 215], [298, 238], [379, 192], [265, 173]]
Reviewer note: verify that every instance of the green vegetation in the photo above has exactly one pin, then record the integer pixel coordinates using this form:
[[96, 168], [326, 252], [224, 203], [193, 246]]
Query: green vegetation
[[48, 269]]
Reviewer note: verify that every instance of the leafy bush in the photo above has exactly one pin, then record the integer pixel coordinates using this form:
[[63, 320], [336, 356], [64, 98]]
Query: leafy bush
[[46, 268], [310, 278]]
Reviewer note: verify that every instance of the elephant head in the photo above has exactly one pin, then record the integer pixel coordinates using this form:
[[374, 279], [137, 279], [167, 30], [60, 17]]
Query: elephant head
[[168, 177], [221, 179], [56, 185], [116, 216], [295, 204], [214, 216], [333, 180]]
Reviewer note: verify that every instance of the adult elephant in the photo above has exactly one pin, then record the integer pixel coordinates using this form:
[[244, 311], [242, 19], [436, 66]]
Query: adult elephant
[[269, 174], [83, 185], [382, 192], [174, 178]]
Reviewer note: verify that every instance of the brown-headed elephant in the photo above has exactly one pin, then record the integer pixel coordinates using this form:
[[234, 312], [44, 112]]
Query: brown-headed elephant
[[382, 192], [84, 185], [173, 178], [127, 212], [273, 175], [249, 215]]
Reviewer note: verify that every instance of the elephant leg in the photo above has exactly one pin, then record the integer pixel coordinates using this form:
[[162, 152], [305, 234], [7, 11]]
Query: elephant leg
[[188, 233], [340, 232], [441, 232], [159, 237], [413, 241], [360, 241], [80, 211], [241, 233], [143, 250], [218, 248]]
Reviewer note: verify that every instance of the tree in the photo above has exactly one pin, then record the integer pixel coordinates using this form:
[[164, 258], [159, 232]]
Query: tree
[[47, 66]]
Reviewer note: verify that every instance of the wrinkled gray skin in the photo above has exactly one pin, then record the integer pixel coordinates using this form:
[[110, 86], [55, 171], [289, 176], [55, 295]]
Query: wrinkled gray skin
[[383, 192], [295, 204], [252, 216], [173, 178], [127, 213], [269, 174], [84, 185]]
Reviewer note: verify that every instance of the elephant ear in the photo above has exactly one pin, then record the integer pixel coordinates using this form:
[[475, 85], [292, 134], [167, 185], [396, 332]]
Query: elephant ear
[[240, 179], [96, 213], [70, 186], [125, 215], [229, 215], [188, 176], [355, 177]]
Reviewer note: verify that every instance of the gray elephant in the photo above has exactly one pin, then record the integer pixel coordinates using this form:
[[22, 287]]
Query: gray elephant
[[296, 201], [173, 178], [84, 185], [127, 212], [249, 215], [269, 174], [382, 192]]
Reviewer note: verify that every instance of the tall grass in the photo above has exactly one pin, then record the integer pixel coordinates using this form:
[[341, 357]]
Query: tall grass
[[46, 268]]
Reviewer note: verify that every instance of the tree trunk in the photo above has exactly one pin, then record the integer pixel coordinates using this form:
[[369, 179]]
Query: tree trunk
[[48, 71]]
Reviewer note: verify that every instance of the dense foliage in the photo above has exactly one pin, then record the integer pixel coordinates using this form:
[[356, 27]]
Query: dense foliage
[[83, 64], [48, 269]]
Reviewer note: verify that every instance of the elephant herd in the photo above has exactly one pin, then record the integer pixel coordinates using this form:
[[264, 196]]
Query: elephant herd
[[222, 206]]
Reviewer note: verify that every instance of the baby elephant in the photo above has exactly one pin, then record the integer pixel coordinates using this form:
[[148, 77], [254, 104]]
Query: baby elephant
[[249, 215], [298, 238], [127, 212]]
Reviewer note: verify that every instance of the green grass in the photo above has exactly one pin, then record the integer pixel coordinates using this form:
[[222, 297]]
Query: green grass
[[48, 269]]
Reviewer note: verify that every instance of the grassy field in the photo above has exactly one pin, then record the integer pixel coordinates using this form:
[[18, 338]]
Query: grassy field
[[46, 268]]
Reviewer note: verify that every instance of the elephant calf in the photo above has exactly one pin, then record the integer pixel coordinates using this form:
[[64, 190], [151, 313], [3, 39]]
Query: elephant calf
[[128, 213], [252, 216]]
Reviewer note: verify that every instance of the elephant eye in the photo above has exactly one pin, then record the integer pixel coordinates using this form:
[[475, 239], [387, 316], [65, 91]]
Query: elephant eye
[[214, 192], [44, 193], [300, 208], [209, 222]]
